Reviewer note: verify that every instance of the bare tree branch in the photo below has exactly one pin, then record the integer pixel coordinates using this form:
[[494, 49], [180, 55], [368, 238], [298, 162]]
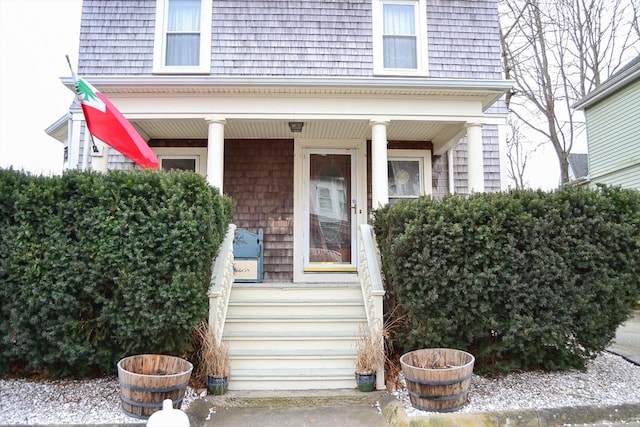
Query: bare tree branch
[[558, 51]]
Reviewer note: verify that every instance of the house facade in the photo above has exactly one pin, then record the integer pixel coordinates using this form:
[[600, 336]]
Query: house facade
[[309, 114], [612, 114]]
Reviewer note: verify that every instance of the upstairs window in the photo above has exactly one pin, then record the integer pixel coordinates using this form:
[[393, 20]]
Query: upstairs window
[[183, 36], [400, 37], [183, 33]]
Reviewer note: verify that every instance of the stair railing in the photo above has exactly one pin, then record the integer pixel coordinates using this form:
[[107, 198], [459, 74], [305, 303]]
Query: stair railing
[[370, 276], [221, 283]]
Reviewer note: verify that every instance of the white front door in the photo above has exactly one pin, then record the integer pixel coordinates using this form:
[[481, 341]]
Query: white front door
[[330, 210]]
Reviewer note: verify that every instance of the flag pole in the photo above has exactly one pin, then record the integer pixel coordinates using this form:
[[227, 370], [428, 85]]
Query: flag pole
[[94, 147]]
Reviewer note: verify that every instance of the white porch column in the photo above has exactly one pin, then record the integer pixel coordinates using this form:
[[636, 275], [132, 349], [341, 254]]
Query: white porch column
[[475, 165], [215, 152], [76, 128], [379, 174]]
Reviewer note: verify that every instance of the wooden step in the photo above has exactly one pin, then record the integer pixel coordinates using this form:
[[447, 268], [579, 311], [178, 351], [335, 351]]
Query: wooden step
[[292, 336]]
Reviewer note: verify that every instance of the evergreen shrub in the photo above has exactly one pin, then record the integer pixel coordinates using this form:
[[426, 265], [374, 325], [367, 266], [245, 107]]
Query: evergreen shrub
[[522, 280], [98, 267]]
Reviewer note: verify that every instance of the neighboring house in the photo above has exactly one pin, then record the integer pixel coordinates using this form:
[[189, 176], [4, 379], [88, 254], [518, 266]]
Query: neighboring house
[[309, 114], [578, 168], [612, 113]]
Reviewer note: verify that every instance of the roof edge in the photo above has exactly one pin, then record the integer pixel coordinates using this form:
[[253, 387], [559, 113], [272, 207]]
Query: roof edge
[[617, 81], [295, 82]]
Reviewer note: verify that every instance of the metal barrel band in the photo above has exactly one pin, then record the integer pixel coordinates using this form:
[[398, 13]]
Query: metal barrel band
[[439, 398], [424, 408], [449, 382], [153, 390], [149, 404]]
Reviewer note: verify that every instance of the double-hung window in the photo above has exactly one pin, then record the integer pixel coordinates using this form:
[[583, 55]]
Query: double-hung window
[[183, 36], [400, 37]]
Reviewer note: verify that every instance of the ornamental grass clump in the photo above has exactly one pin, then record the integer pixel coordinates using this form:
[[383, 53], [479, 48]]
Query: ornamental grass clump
[[213, 359], [370, 352]]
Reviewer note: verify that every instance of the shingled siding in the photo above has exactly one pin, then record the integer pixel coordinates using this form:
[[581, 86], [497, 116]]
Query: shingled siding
[[116, 37], [491, 161], [291, 38], [258, 176], [464, 40]]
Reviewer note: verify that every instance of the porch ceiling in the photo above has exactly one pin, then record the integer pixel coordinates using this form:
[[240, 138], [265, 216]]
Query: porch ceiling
[[437, 132]]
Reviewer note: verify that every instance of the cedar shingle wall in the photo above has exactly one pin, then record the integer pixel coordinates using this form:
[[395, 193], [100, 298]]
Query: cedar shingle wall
[[491, 161], [291, 38], [116, 37], [464, 39], [440, 175], [258, 176]]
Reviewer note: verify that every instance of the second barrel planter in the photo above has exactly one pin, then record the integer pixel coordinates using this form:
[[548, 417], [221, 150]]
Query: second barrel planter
[[437, 379]]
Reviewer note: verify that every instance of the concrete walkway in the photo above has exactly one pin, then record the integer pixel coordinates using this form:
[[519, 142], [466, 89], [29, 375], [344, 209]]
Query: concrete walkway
[[379, 409], [627, 341]]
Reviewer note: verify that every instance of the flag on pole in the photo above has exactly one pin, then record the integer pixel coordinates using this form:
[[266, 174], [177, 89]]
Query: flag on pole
[[109, 125]]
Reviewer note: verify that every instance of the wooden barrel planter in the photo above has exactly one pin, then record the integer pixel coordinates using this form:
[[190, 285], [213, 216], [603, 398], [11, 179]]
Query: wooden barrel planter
[[146, 380], [437, 379]]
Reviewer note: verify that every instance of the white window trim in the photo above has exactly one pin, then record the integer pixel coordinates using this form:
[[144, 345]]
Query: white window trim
[[422, 58], [160, 40], [198, 153], [424, 156]]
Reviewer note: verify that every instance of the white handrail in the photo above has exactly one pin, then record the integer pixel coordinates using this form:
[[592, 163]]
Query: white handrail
[[372, 285], [221, 282]]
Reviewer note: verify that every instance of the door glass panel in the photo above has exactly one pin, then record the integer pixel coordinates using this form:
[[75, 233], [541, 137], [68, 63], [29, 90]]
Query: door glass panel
[[329, 219]]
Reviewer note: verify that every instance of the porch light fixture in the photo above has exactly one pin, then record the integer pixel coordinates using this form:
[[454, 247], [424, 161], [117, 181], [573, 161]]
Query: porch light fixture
[[296, 126]]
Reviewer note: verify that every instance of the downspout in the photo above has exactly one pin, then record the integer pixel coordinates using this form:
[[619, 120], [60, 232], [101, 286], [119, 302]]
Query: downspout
[[452, 184]]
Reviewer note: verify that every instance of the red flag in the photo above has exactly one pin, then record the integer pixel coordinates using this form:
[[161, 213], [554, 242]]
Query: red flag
[[109, 125]]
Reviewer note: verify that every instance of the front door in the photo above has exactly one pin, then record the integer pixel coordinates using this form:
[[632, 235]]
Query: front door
[[330, 206]]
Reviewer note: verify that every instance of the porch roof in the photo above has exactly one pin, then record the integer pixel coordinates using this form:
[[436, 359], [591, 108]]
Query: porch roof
[[443, 131], [488, 91]]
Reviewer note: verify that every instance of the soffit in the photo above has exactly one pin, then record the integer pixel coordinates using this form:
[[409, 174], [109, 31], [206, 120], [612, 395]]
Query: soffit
[[487, 91], [437, 132]]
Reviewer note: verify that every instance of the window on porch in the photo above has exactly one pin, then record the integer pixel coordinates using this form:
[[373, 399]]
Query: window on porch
[[409, 174]]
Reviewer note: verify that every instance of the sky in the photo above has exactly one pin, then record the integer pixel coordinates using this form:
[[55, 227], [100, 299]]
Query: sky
[[35, 36]]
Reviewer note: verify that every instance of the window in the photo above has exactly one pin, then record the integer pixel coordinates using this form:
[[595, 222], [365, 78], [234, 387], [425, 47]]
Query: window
[[409, 174], [182, 158], [405, 178], [399, 36], [183, 36], [179, 163], [399, 39]]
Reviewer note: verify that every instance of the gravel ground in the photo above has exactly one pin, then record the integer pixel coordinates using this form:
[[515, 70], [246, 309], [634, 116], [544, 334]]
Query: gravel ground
[[609, 380]]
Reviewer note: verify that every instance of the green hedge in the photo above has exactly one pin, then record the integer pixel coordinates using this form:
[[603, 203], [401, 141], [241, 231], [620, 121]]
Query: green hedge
[[523, 280], [96, 267]]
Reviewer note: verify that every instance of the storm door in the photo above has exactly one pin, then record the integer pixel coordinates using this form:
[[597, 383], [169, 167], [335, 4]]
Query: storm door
[[329, 210]]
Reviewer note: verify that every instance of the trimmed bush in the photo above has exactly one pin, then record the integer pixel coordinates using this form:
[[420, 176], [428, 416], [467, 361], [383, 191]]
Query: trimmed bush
[[97, 267], [523, 280]]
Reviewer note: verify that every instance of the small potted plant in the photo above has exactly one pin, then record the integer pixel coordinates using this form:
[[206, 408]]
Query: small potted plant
[[370, 356], [214, 363]]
